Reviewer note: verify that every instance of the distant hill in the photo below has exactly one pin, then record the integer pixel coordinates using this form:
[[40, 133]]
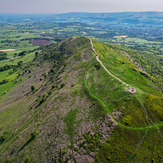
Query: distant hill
[[123, 17], [143, 17]]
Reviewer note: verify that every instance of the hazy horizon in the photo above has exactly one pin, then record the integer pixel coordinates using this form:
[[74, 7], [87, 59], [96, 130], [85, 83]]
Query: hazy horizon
[[68, 6], [79, 12], [12, 13]]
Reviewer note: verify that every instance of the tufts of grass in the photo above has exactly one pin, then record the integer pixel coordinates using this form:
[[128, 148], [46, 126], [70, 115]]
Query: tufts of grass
[[70, 125]]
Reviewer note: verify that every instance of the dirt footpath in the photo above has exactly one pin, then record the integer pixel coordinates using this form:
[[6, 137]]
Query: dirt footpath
[[129, 88]]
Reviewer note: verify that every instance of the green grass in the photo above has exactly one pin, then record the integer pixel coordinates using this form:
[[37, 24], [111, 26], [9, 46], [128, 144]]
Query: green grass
[[118, 64], [70, 125], [134, 139], [27, 58], [6, 87], [10, 84], [134, 39], [130, 146], [11, 77], [130, 124], [117, 98]]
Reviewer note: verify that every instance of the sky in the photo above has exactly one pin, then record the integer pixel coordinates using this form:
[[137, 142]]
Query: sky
[[63, 6]]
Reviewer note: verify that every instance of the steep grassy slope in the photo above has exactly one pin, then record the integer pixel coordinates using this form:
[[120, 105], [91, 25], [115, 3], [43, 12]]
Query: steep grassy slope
[[78, 112]]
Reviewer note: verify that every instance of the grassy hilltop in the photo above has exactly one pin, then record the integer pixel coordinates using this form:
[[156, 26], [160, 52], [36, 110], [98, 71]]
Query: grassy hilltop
[[61, 105]]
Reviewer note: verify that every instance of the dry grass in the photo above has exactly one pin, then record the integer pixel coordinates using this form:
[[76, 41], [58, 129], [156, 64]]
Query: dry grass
[[7, 50]]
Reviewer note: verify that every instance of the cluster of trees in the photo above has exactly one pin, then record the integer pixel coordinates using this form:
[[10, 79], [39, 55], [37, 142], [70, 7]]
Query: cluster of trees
[[22, 53], [7, 67], [4, 81], [59, 53], [3, 56]]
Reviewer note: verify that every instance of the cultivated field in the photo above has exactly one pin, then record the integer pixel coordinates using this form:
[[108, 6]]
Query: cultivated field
[[7, 50]]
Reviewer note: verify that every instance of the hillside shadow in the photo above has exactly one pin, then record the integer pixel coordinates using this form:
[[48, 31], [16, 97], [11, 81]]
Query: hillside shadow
[[28, 142]]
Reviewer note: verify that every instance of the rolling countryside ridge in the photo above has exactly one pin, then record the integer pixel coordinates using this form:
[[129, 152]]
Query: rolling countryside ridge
[[81, 87]]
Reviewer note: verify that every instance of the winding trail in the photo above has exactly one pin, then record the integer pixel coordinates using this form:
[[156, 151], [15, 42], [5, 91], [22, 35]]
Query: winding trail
[[129, 88], [132, 90], [138, 128], [13, 137]]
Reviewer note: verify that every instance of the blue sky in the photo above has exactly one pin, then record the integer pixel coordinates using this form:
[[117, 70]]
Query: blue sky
[[62, 6]]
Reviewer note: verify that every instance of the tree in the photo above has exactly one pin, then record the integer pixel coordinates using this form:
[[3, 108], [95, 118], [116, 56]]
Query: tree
[[20, 63], [22, 53], [4, 81], [32, 88], [36, 54]]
